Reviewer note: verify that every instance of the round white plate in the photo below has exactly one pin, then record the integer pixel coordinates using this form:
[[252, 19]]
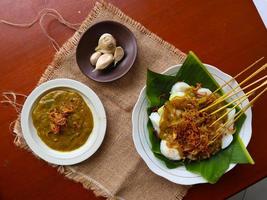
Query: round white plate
[[141, 136], [94, 140]]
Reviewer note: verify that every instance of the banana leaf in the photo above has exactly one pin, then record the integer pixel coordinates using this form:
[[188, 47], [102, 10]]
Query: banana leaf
[[158, 90]]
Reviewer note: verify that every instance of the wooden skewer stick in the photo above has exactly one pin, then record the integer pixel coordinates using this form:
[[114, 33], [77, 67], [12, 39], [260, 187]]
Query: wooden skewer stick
[[236, 92], [248, 94], [244, 81], [227, 112], [246, 69], [215, 137], [258, 87], [238, 115], [254, 74], [247, 107], [219, 100]]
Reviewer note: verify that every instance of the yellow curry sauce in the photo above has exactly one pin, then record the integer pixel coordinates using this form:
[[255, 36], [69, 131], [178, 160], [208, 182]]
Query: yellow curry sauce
[[62, 119]]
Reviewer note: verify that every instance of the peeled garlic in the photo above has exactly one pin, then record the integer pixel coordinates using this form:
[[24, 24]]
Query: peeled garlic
[[118, 55], [103, 61], [106, 44], [94, 57]]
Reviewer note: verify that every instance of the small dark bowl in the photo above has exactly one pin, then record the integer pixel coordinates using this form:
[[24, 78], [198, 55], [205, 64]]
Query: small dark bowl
[[88, 42]]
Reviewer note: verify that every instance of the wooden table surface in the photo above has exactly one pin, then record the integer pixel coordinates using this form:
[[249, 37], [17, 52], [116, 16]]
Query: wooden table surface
[[225, 33]]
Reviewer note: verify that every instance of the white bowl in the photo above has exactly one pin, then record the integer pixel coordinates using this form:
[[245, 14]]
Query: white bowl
[[57, 157], [142, 143]]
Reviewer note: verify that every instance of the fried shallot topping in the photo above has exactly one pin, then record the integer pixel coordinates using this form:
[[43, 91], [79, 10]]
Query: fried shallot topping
[[58, 117], [187, 129]]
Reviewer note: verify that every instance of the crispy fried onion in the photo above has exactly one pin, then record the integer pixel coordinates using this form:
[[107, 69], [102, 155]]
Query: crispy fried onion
[[187, 129]]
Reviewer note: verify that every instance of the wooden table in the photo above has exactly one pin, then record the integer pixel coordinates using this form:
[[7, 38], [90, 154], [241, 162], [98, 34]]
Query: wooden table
[[225, 33]]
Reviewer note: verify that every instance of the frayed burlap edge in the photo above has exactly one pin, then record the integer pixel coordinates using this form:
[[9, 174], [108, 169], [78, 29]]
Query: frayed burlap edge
[[66, 50]]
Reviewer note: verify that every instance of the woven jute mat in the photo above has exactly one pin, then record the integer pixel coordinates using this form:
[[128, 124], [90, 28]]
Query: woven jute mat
[[116, 171]]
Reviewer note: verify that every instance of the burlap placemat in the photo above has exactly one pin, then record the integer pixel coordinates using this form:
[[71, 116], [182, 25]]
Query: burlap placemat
[[116, 170]]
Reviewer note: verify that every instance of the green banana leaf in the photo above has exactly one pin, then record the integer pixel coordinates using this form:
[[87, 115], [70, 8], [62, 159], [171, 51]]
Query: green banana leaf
[[158, 91]]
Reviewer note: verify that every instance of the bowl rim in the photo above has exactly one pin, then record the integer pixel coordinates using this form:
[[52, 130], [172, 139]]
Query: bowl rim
[[157, 170], [131, 63], [95, 138]]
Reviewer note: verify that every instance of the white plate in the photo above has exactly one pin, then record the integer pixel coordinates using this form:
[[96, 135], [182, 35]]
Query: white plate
[[94, 140], [141, 136]]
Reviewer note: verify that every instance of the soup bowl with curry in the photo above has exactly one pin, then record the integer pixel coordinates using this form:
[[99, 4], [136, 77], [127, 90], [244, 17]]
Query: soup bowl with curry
[[63, 121]]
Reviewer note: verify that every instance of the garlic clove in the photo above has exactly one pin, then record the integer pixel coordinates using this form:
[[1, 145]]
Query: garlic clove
[[94, 57], [106, 44], [103, 61], [107, 38], [105, 51], [118, 55]]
